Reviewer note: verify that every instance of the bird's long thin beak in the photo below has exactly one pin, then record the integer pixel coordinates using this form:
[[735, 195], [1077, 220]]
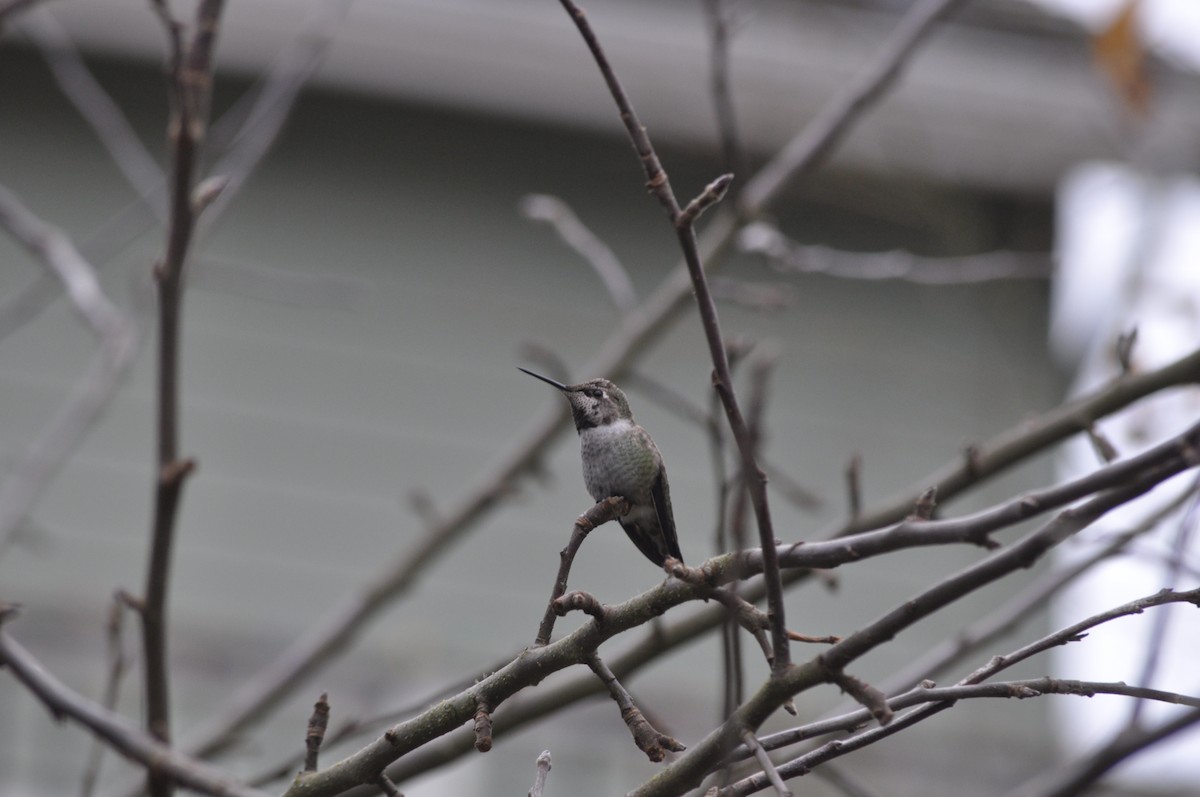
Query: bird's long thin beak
[[547, 380]]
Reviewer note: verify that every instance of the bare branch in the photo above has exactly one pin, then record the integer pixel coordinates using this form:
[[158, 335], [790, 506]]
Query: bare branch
[[596, 253], [601, 513], [315, 734], [1103, 446], [1123, 350], [117, 665], [649, 740], [713, 193], [116, 731], [190, 83], [764, 761], [854, 486], [56, 251], [579, 601], [871, 698], [835, 119], [483, 727], [1024, 439], [926, 505], [720, 27], [543, 769], [94, 104], [119, 340], [667, 397], [1072, 779], [274, 100], [387, 787], [789, 256], [1181, 543]]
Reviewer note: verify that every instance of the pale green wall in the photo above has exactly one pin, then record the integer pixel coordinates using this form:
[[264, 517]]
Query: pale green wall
[[313, 421]]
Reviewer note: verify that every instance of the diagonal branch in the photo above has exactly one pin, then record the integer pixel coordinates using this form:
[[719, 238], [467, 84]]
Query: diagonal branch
[[1073, 778], [118, 338], [648, 739], [1023, 440], [116, 731], [575, 234], [94, 104], [818, 138]]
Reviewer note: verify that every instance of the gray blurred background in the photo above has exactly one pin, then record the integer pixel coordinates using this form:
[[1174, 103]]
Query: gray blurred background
[[353, 323]]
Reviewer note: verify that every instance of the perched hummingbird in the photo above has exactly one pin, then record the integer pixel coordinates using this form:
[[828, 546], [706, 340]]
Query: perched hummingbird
[[619, 458]]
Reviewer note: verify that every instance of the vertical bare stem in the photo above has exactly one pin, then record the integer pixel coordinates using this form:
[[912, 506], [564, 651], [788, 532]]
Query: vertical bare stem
[[190, 83]]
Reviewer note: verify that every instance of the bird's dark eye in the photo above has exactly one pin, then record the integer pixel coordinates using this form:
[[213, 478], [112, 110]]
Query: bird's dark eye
[[596, 394]]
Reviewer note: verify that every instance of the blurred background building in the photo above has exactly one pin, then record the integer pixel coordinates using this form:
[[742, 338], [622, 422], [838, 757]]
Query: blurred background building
[[354, 318]]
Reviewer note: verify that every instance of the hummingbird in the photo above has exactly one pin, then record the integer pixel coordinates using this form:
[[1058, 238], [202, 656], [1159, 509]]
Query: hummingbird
[[619, 458]]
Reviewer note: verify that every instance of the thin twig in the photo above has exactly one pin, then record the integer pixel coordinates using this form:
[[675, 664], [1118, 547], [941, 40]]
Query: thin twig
[[78, 278], [604, 511], [117, 665], [788, 256], [765, 762], [720, 28], [1019, 442], [596, 253], [649, 740], [1074, 778], [386, 786], [119, 339], [1181, 543], [854, 486], [258, 118], [543, 769], [671, 399], [95, 105], [733, 691], [315, 734], [818, 138], [483, 727], [274, 100]]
